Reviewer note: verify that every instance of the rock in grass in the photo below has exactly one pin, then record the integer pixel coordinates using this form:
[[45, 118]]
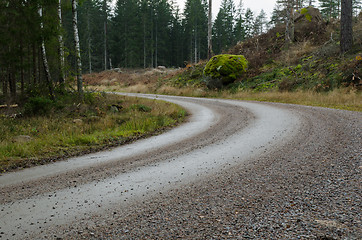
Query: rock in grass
[[22, 139], [78, 121], [224, 69]]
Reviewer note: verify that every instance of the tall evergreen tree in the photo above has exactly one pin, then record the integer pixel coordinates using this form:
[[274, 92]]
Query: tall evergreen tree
[[346, 26], [330, 8], [195, 25], [357, 7], [260, 23], [176, 39], [125, 34], [224, 26], [249, 22], [239, 28], [279, 13]]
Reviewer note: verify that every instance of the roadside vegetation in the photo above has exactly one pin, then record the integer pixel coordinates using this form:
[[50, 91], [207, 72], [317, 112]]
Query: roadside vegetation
[[44, 130]]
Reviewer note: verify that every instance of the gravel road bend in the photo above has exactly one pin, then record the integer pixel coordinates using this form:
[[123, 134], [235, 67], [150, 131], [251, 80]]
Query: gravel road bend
[[234, 169]]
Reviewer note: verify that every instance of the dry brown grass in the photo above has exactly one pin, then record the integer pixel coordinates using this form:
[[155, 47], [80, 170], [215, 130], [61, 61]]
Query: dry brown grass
[[345, 99], [296, 52]]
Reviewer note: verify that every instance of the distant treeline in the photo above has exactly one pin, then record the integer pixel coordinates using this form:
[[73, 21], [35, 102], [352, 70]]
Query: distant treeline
[[37, 37]]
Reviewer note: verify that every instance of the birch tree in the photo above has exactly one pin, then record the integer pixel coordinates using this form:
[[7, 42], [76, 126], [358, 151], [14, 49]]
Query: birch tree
[[44, 57], [61, 45], [77, 48], [209, 31]]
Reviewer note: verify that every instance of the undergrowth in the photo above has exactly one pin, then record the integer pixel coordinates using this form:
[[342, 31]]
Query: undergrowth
[[44, 130]]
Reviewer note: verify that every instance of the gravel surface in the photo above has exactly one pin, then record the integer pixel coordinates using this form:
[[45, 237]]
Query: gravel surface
[[308, 187]]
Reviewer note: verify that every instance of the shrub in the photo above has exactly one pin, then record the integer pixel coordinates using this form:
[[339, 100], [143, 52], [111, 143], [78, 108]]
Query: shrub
[[140, 108], [38, 105]]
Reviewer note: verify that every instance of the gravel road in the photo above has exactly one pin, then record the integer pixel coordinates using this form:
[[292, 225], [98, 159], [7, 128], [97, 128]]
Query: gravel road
[[234, 170]]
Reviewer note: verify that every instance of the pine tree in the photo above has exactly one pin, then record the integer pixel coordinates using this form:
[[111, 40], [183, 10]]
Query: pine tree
[[224, 27], [346, 26], [357, 7], [330, 8], [260, 23], [195, 24], [176, 39], [239, 28], [126, 34], [279, 14], [249, 21]]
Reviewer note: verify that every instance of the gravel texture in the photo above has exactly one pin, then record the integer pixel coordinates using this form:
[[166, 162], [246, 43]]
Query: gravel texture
[[307, 188]]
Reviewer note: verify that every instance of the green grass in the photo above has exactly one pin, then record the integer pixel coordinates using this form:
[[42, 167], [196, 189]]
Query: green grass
[[81, 127]]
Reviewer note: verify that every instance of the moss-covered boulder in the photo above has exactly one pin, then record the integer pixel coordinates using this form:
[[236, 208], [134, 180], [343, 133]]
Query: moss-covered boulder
[[223, 69]]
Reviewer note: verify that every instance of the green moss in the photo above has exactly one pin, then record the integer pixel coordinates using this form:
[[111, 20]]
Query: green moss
[[304, 12], [226, 68]]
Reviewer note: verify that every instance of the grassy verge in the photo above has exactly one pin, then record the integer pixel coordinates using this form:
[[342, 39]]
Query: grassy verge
[[71, 128]]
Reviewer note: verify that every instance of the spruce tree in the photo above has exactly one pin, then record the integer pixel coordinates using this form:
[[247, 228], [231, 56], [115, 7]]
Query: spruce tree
[[239, 28], [195, 25], [249, 22], [330, 8], [224, 27], [346, 26]]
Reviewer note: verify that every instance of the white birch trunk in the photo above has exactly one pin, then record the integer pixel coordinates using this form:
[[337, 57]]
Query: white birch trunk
[[44, 58], [61, 44], [77, 47], [209, 31]]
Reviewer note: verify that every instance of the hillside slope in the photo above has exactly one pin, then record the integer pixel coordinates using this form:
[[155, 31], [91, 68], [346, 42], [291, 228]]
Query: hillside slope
[[312, 63]]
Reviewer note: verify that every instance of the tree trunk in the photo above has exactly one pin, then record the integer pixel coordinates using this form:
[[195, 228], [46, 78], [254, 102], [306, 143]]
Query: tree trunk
[[209, 31], [34, 65], [89, 42], [156, 54], [45, 60], [22, 74], [289, 28], [346, 26], [144, 43], [195, 44], [77, 48], [105, 33], [12, 84], [5, 84], [61, 46]]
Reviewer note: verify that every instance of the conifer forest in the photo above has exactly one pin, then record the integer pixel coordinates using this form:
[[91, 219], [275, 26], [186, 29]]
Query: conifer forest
[[49, 42]]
